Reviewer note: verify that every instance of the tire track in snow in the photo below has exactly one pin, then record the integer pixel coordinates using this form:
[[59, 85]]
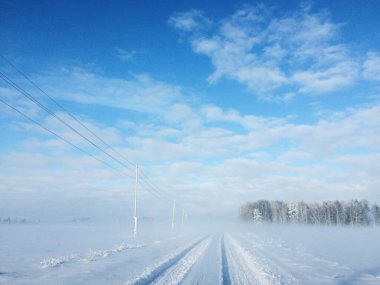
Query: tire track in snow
[[207, 269], [266, 258], [175, 274], [188, 255], [294, 266], [226, 279], [244, 270]]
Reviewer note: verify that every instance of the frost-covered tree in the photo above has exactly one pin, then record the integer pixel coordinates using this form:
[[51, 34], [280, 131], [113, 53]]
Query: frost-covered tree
[[327, 213], [359, 212], [257, 216], [375, 212], [245, 212], [265, 210], [339, 213], [279, 212], [365, 211], [293, 212], [303, 213]]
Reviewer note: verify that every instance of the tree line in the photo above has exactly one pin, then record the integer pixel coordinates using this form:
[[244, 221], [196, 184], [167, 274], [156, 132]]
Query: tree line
[[9, 220], [352, 212]]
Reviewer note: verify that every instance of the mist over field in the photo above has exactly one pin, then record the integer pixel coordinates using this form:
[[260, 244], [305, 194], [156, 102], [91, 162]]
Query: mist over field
[[107, 253], [201, 142]]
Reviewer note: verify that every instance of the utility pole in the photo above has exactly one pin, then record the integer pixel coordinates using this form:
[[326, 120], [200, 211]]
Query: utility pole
[[173, 215], [183, 216], [135, 209]]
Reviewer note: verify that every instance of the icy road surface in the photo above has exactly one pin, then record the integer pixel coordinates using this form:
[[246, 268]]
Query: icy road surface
[[233, 257]]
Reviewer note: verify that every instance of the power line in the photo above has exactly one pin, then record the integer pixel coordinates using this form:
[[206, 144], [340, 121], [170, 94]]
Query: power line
[[31, 98], [148, 186], [155, 192], [145, 178], [151, 190], [64, 109], [60, 137]]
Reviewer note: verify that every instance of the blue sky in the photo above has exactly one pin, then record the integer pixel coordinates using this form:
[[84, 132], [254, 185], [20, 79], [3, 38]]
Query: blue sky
[[219, 103]]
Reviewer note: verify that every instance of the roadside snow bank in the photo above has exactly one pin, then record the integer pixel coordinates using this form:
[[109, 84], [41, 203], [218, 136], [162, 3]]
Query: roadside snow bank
[[92, 255]]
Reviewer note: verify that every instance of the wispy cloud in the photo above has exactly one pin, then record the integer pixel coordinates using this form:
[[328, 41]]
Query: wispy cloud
[[140, 92], [341, 75], [371, 67], [189, 21], [201, 149], [268, 51], [18, 101], [108, 134], [126, 55]]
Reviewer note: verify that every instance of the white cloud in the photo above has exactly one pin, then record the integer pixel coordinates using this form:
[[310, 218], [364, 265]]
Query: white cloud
[[48, 141], [333, 78], [189, 21], [17, 101], [183, 115], [202, 152], [371, 67], [266, 51], [55, 162], [196, 153], [140, 93], [249, 122], [126, 55]]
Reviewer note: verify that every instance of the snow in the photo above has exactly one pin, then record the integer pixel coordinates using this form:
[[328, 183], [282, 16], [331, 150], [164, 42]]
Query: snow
[[246, 270], [96, 253], [151, 273], [177, 272]]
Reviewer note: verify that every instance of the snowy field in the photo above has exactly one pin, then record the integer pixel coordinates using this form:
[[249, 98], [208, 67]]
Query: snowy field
[[95, 253]]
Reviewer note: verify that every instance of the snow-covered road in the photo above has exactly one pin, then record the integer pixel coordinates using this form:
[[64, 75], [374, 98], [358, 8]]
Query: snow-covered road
[[247, 259], [221, 258]]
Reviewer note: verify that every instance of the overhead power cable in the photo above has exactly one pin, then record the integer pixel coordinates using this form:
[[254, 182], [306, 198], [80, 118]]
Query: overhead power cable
[[146, 179], [64, 109], [46, 109], [152, 190], [148, 185], [60, 137]]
